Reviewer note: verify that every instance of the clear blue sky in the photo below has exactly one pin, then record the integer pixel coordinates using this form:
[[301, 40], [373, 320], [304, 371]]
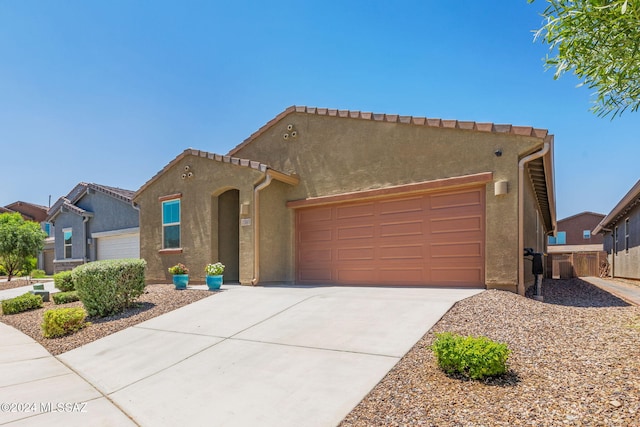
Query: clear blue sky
[[111, 91]]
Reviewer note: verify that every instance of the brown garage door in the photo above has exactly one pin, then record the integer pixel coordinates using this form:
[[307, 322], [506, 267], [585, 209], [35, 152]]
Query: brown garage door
[[425, 239]]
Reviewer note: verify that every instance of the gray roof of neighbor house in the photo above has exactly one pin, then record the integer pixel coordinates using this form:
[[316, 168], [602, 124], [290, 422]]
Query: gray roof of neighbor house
[[68, 202], [629, 201]]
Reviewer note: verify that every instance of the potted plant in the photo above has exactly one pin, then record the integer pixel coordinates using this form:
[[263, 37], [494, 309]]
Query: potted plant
[[180, 275], [214, 275]]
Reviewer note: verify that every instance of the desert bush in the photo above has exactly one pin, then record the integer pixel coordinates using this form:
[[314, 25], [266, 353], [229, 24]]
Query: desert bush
[[58, 322], [110, 286], [21, 303], [65, 297], [64, 281], [473, 357]]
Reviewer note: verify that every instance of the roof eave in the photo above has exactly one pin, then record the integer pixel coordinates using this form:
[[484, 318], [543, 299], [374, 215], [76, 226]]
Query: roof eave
[[625, 202]]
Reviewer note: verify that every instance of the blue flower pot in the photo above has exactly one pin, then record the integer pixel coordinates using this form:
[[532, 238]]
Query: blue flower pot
[[214, 282], [181, 281]]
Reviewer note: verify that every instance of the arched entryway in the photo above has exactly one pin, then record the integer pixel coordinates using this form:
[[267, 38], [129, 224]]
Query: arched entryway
[[229, 234]]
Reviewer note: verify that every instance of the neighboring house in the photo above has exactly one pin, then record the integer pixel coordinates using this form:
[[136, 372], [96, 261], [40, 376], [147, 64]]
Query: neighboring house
[[621, 230], [575, 251], [36, 213], [94, 222], [347, 197]]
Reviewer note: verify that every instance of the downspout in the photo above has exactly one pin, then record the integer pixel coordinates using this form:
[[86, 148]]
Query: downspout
[[256, 226], [85, 219], [533, 156]]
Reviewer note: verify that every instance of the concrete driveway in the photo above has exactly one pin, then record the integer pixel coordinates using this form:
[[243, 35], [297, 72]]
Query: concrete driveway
[[267, 356]]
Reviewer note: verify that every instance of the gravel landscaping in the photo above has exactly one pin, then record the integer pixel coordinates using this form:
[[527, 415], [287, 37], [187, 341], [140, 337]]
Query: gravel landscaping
[[575, 362], [575, 359], [156, 300]]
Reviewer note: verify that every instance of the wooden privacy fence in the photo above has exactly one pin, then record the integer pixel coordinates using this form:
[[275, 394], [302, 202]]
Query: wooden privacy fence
[[579, 264]]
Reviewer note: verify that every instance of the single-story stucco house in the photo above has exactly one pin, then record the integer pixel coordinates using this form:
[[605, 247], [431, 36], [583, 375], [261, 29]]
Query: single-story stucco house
[[621, 230], [322, 196]]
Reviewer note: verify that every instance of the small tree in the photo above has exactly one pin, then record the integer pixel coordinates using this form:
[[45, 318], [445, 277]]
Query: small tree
[[19, 241], [599, 41]]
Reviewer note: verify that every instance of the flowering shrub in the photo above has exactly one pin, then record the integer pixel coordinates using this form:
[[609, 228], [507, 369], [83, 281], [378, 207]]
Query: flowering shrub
[[179, 268], [214, 269]]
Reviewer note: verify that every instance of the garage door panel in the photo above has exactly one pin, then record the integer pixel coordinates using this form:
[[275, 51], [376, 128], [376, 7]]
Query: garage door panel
[[459, 275], [403, 275], [312, 236], [316, 255], [357, 211], [427, 239], [460, 224], [356, 254], [402, 252], [456, 250], [401, 206], [456, 200], [315, 215], [407, 228], [356, 232]]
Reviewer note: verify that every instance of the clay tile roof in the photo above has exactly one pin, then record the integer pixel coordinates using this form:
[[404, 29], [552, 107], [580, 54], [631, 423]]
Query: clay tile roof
[[395, 118], [261, 167]]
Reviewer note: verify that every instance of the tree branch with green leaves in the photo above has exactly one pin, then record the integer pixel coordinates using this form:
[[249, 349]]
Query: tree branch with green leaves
[[599, 41]]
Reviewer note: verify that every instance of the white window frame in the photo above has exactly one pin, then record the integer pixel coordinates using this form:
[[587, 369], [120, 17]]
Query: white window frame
[[66, 245]]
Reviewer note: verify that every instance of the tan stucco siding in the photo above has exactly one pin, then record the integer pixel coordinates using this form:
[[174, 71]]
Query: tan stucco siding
[[198, 216], [277, 225], [334, 156]]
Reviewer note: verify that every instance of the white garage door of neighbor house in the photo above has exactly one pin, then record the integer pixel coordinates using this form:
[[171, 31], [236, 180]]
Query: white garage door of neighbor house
[[120, 246]]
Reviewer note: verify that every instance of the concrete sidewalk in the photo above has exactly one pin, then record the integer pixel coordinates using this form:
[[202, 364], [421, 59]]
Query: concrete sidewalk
[[12, 293], [33, 384], [627, 292], [268, 356]]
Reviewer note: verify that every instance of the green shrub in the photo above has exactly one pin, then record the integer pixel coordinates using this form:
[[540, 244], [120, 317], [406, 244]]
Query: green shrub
[[472, 357], [63, 321], [64, 281], [21, 303], [65, 297], [109, 287], [38, 274]]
